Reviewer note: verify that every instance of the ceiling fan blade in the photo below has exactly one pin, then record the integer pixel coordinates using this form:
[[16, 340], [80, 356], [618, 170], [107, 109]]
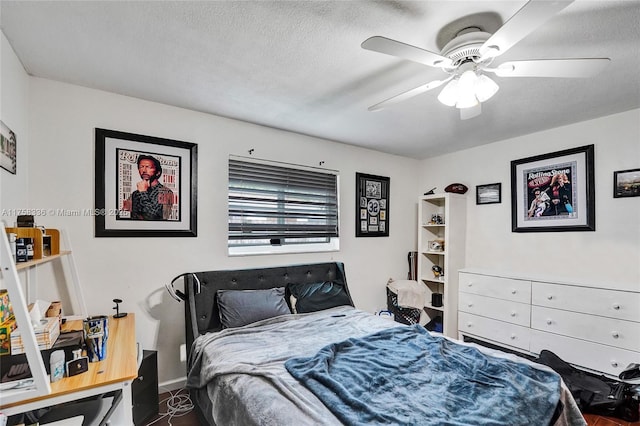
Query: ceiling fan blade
[[567, 68], [405, 51], [409, 94], [467, 113], [525, 21]]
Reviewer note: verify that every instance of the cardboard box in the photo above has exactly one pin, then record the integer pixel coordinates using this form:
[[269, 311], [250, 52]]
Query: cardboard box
[[6, 328]]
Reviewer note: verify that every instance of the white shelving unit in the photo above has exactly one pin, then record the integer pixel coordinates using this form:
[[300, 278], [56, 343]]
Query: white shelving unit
[[441, 243], [11, 281]]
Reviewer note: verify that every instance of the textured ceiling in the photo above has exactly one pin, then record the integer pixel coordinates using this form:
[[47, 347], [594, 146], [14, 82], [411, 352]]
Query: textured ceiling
[[298, 65]]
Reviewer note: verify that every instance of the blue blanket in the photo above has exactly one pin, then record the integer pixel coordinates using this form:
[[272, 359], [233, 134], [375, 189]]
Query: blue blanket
[[405, 376]]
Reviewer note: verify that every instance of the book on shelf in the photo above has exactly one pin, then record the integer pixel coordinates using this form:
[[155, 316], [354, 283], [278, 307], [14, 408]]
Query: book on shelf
[[47, 332]]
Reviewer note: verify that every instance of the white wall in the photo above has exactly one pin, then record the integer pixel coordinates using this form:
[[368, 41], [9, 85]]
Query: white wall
[[62, 122], [608, 257], [14, 90]]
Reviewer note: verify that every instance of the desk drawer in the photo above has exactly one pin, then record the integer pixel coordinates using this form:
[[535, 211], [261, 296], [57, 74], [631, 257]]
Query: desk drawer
[[608, 303], [498, 331], [501, 288], [608, 331], [585, 354], [503, 310]]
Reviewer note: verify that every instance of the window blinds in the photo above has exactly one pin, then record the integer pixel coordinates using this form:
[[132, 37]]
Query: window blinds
[[271, 203]]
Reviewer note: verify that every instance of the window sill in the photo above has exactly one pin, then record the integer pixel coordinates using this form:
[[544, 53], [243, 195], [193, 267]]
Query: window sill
[[332, 246]]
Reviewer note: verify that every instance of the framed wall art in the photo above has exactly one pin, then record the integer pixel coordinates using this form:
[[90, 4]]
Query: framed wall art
[[554, 192], [490, 193], [626, 183], [7, 149], [372, 205], [144, 186]]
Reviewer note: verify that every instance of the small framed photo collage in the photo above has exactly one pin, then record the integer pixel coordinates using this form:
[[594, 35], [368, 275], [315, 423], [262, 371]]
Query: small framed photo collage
[[372, 205]]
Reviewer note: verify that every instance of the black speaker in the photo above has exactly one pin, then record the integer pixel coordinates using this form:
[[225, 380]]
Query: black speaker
[[144, 388], [436, 299]]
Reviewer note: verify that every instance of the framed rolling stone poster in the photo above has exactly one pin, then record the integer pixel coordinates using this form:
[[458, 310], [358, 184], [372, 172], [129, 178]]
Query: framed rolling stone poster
[[372, 205], [554, 192], [145, 186]]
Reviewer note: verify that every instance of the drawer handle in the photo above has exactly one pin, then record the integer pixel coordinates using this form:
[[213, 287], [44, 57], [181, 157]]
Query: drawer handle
[[470, 284], [513, 292], [513, 314], [550, 297], [469, 324], [614, 364], [616, 307], [470, 305], [549, 322], [615, 334], [513, 337]]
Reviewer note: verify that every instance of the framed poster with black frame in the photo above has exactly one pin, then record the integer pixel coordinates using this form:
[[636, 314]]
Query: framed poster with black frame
[[626, 183], [7, 149], [372, 205], [554, 192], [490, 193], [144, 186]]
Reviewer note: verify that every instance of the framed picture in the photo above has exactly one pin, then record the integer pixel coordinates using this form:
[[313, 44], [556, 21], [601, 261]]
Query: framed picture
[[554, 192], [144, 186], [626, 183], [7, 149], [372, 205], [489, 194]]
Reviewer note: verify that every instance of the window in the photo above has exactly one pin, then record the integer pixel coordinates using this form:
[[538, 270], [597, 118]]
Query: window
[[281, 208]]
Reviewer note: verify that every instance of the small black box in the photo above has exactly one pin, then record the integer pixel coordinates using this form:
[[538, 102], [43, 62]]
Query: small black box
[[77, 366], [436, 300], [25, 221]]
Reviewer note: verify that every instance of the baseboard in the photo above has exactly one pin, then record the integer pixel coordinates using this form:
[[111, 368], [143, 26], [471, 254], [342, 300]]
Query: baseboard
[[171, 385]]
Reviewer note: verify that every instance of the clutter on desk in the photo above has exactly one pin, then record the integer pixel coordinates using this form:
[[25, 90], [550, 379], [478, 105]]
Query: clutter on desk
[[78, 365], [118, 314], [96, 333], [56, 365], [46, 328]]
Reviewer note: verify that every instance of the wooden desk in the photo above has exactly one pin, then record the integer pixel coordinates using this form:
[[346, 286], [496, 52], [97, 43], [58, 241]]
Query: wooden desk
[[116, 372]]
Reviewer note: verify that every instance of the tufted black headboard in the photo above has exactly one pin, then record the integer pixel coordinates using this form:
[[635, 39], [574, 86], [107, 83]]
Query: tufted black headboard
[[201, 309]]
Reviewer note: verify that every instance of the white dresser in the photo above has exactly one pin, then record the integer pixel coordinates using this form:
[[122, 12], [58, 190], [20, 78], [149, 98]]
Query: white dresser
[[593, 328]]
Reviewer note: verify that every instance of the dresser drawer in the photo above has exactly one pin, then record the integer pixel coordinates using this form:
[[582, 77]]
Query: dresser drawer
[[498, 331], [608, 331], [502, 288], [503, 310], [608, 303], [585, 354]]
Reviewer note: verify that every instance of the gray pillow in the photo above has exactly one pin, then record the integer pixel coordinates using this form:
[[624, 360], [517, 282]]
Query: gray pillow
[[242, 307], [312, 297]]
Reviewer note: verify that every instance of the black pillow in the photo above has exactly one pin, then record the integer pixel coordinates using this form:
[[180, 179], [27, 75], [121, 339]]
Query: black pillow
[[242, 307], [311, 297]]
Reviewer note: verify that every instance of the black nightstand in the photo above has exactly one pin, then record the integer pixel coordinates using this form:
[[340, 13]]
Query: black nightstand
[[145, 389]]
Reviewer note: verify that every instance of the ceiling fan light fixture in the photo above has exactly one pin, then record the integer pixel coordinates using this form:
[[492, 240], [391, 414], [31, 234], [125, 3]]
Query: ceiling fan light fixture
[[449, 95], [466, 92], [466, 100], [485, 88]]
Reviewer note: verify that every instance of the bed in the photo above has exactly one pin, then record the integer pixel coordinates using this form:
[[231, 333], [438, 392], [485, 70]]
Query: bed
[[333, 364]]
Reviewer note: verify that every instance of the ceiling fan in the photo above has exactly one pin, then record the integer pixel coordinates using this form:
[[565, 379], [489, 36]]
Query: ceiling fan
[[470, 55]]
